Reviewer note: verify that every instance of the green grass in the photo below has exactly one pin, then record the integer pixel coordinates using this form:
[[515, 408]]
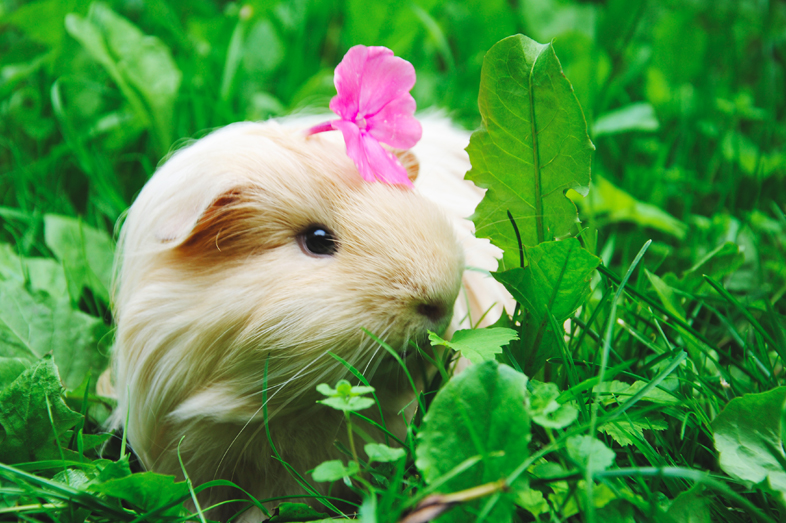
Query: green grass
[[662, 403]]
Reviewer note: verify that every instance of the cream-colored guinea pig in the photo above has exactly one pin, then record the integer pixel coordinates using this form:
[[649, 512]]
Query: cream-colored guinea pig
[[260, 246]]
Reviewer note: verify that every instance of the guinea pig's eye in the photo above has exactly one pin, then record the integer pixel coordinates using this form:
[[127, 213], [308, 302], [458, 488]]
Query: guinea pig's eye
[[318, 240]]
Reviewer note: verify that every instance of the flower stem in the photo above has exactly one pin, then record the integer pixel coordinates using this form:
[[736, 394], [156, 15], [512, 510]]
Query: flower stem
[[352, 442]]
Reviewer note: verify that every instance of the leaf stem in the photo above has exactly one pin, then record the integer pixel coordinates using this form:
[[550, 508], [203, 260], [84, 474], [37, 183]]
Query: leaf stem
[[352, 443]]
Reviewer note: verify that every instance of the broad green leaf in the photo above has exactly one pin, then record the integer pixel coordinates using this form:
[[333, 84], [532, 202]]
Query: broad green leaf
[[142, 66], [382, 453], [480, 412], [617, 511], [590, 453], [566, 495], [532, 147], [293, 512], [477, 345], [43, 274], [334, 470], [747, 435], [114, 470], [75, 478], [634, 117], [146, 490], [532, 500], [86, 254], [691, 506], [556, 282], [42, 21], [32, 325], [556, 279], [29, 432], [10, 369], [616, 205]]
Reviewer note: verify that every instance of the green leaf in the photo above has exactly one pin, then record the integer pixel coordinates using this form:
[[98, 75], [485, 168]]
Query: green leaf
[[532, 500], [32, 325], [556, 279], [626, 432], [532, 147], [382, 453], [295, 512], [619, 391], [590, 453], [556, 282], [386, 24], [146, 490], [43, 274], [480, 412], [671, 302], [142, 66], [617, 511], [634, 117], [747, 433], [29, 432], [334, 470], [10, 369], [544, 408], [718, 263], [345, 396], [691, 506], [86, 253], [617, 205], [477, 345], [348, 404], [114, 470], [42, 21]]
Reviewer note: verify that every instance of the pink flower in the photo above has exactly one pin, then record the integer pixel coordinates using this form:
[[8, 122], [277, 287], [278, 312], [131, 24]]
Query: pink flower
[[374, 106]]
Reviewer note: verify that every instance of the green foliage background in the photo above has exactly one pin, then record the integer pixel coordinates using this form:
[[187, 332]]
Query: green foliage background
[[685, 103]]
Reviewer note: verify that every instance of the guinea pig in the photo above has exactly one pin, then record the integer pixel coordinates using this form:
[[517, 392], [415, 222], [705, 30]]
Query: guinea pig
[[249, 257]]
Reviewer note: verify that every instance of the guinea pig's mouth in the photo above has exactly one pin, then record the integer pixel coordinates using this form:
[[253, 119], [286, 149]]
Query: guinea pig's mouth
[[418, 345]]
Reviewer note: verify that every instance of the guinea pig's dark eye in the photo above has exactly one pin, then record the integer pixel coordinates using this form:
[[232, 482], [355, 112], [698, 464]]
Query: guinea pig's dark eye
[[318, 240]]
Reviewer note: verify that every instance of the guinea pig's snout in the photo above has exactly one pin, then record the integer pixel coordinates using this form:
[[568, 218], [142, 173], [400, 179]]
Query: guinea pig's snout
[[435, 312]]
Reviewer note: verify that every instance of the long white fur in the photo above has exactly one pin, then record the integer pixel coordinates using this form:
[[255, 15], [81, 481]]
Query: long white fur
[[212, 287]]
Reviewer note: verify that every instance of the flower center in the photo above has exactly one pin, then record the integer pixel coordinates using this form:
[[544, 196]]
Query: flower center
[[361, 123]]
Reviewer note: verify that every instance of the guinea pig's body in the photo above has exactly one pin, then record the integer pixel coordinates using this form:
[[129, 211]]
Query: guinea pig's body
[[225, 283]]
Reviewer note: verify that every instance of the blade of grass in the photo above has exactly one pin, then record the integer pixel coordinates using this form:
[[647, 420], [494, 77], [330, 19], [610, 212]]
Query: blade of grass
[[781, 350], [401, 363]]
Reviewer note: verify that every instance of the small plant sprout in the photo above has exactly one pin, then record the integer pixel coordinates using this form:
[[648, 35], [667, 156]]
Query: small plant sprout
[[347, 398]]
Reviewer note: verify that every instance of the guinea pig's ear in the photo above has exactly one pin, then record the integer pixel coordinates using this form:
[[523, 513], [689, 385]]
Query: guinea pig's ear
[[187, 223], [410, 162]]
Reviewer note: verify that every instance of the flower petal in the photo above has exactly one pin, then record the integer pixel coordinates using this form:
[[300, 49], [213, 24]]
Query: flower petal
[[371, 159], [385, 78], [348, 78], [395, 124], [355, 148], [385, 164]]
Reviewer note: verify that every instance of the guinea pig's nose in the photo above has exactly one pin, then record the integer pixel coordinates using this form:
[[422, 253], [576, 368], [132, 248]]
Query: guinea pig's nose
[[435, 312]]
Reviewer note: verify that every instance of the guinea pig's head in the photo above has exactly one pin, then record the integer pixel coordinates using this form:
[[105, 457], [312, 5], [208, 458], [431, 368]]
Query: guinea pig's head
[[258, 248]]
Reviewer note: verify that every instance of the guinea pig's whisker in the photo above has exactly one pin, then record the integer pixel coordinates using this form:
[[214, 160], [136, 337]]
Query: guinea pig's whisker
[[270, 397]]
